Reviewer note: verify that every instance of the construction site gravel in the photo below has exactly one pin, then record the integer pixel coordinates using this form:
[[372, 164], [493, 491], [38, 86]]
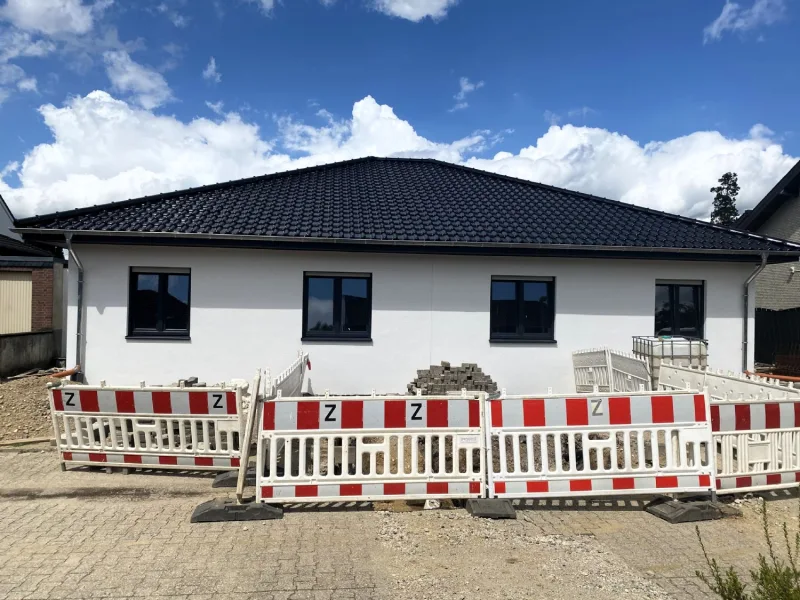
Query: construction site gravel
[[24, 408]]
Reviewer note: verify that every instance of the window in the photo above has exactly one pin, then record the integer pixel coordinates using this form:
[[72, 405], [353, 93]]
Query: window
[[522, 310], [158, 304], [337, 306], [679, 309]]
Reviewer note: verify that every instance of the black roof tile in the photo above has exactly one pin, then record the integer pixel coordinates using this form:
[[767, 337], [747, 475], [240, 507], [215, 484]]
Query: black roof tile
[[405, 200]]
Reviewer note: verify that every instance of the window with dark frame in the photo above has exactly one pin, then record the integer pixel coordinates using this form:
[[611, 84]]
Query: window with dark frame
[[159, 303], [679, 309], [337, 306], [522, 310]]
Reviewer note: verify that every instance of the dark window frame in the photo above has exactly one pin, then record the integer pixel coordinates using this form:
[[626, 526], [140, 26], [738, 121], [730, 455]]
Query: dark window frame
[[520, 335], [674, 286], [337, 333], [160, 331]]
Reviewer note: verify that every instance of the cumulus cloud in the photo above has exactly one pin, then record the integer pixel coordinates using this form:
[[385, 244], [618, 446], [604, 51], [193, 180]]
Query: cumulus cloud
[[147, 86], [735, 18], [465, 87], [414, 10], [210, 73], [673, 175], [53, 17], [105, 149], [177, 19]]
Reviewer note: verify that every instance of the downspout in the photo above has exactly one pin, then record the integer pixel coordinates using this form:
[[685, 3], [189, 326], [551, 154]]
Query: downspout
[[746, 319], [81, 366]]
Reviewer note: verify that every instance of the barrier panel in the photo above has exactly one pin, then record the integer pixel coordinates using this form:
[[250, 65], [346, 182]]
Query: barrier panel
[[606, 370], [598, 444], [758, 444], [289, 382], [724, 386], [160, 427], [357, 448]]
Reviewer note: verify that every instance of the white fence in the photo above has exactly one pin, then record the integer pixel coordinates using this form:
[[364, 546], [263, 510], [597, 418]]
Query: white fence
[[598, 445], [155, 427], [606, 370], [358, 448], [723, 386]]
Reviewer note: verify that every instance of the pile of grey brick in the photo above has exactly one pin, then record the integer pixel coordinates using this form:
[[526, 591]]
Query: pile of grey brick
[[439, 379]]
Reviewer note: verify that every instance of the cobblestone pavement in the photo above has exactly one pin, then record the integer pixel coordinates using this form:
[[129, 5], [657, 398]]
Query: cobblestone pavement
[[84, 534]]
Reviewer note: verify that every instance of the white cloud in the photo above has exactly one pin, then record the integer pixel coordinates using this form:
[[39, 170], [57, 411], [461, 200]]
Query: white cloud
[[53, 17], [216, 107], [14, 76], [465, 87], [266, 6], [551, 117], [413, 10], [27, 84], [673, 175], [104, 149], [210, 73], [735, 18], [15, 43], [173, 15], [146, 85]]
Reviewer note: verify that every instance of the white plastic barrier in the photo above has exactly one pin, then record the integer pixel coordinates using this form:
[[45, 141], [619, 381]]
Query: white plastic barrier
[[540, 446], [154, 427], [758, 444], [723, 386], [322, 449], [290, 381], [606, 370]]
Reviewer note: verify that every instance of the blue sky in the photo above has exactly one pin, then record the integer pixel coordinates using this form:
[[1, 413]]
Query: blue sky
[[648, 102]]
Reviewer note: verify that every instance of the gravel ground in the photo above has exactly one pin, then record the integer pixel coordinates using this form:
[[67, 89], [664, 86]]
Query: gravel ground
[[450, 555], [25, 409]]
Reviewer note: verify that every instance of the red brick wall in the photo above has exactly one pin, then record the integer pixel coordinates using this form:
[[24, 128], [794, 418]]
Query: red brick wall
[[41, 297]]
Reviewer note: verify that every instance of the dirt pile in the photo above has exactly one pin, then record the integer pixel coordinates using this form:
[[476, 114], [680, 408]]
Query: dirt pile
[[25, 409]]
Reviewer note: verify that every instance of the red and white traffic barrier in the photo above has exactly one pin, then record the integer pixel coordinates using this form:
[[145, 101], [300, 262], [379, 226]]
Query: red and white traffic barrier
[[598, 445], [758, 444], [370, 448], [156, 427]]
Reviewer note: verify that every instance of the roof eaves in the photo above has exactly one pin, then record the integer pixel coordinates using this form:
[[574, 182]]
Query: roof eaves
[[791, 249]]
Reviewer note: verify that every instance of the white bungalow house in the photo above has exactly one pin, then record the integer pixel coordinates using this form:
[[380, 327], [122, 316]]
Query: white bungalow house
[[383, 266]]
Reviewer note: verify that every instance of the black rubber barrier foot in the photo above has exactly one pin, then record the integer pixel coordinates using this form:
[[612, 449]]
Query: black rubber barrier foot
[[226, 509], [675, 511], [228, 479], [491, 508]]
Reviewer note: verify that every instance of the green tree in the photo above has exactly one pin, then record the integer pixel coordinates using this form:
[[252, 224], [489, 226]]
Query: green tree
[[725, 211]]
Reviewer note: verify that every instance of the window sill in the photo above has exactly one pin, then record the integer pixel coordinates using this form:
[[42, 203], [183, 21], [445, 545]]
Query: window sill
[[159, 338], [338, 339], [521, 341]]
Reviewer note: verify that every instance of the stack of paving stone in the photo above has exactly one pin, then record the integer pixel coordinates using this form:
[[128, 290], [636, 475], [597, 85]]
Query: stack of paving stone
[[440, 379]]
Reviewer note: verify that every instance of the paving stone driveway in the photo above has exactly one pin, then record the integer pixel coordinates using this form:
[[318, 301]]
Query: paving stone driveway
[[83, 534]]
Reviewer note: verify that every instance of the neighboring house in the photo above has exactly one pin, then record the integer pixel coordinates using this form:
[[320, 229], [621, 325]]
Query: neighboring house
[[31, 301], [381, 267], [778, 286]]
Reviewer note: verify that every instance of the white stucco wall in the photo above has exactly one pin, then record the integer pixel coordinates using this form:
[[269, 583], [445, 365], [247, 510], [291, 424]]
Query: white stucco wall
[[246, 312]]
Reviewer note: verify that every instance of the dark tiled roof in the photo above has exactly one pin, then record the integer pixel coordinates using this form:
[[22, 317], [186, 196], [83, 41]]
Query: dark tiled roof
[[11, 247], [406, 201]]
